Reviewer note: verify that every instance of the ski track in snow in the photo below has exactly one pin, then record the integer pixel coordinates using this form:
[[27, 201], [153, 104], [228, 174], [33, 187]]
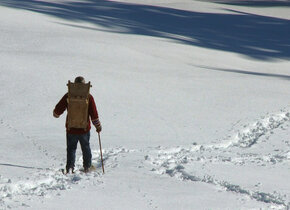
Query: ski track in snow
[[50, 182], [173, 161]]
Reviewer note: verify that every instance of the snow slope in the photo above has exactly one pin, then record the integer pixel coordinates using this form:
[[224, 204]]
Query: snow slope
[[193, 97]]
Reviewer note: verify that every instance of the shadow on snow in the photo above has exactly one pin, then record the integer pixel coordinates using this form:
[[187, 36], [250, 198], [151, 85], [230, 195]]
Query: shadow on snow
[[256, 36], [277, 76], [21, 166], [255, 3]]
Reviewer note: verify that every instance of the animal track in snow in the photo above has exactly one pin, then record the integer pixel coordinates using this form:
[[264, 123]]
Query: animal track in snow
[[21, 134]]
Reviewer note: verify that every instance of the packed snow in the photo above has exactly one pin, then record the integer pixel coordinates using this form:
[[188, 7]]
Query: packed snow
[[193, 97]]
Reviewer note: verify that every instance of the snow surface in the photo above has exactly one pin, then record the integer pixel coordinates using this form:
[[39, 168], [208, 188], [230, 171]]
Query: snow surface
[[193, 97]]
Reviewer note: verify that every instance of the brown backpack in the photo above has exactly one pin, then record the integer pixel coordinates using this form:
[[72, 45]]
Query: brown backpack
[[78, 105]]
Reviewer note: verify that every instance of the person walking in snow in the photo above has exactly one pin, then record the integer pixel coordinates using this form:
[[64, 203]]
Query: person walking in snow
[[82, 135]]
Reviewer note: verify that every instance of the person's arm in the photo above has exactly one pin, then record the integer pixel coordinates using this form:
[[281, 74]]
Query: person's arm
[[60, 107], [93, 112]]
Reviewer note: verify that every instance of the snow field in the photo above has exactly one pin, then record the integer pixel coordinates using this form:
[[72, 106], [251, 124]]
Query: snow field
[[180, 85]]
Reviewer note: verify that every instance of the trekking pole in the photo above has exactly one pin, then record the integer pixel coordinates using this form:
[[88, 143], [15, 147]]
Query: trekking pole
[[101, 151]]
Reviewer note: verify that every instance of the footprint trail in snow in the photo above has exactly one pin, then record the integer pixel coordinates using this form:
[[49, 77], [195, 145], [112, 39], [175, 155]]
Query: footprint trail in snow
[[197, 163], [51, 182], [228, 165]]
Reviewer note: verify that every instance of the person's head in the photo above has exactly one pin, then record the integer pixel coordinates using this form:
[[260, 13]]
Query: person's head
[[79, 80]]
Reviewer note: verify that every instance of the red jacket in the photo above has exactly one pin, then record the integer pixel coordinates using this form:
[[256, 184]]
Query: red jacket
[[92, 112]]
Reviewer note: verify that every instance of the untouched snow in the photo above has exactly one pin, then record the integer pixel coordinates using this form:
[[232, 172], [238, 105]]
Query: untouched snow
[[193, 97]]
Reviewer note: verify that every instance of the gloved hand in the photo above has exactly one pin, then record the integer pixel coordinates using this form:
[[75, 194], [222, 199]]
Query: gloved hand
[[97, 124], [99, 128], [55, 115]]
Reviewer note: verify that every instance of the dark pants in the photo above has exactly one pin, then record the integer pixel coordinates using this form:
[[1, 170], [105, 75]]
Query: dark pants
[[71, 143]]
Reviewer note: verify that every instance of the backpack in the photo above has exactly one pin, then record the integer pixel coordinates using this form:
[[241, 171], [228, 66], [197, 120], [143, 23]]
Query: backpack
[[78, 105]]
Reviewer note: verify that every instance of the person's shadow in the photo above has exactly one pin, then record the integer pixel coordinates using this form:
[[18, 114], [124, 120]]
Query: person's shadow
[[258, 37]]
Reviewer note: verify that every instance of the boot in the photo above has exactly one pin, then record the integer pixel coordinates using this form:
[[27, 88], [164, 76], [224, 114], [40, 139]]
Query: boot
[[70, 168]]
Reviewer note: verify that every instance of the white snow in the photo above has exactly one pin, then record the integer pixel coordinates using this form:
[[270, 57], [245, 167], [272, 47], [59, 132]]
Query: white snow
[[193, 97]]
